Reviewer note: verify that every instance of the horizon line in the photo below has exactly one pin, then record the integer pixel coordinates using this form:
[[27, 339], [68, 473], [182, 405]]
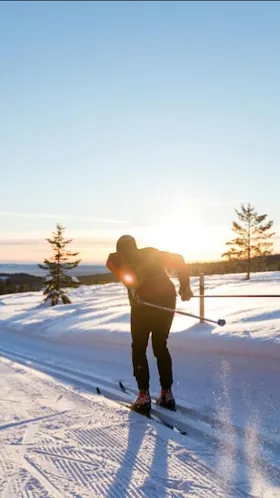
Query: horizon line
[[98, 263]]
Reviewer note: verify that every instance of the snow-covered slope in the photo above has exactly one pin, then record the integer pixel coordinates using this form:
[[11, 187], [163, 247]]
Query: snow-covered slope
[[103, 310], [229, 373]]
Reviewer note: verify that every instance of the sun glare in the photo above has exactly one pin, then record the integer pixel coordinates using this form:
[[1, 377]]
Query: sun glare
[[181, 236], [128, 279], [187, 235], [191, 238]]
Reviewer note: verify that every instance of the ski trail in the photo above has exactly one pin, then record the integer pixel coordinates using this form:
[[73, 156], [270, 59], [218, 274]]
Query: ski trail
[[29, 434], [95, 448], [226, 441], [37, 472], [30, 421]]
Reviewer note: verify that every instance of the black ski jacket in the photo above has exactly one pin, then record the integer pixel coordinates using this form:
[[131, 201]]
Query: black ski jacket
[[148, 277]]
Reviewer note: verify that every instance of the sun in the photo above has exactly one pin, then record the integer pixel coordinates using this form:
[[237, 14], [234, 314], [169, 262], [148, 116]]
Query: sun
[[184, 231], [180, 236]]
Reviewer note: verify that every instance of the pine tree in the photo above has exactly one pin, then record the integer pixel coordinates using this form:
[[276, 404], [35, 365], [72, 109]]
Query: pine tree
[[58, 266], [253, 237]]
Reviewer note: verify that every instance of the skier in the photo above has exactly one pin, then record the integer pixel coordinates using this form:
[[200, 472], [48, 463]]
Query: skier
[[143, 272]]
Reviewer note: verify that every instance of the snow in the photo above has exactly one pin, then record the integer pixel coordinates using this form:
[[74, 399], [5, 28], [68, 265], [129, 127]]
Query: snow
[[56, 442], [104, 311], [230, 374]]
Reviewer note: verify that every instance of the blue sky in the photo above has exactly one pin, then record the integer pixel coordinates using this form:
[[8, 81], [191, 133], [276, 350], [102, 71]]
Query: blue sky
[[153, 118]]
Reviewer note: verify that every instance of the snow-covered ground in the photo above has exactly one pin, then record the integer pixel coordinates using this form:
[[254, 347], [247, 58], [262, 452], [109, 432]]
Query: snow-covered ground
[[229, 373], [55, 442]]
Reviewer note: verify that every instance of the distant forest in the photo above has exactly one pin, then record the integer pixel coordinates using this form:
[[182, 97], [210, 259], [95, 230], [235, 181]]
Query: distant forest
[[22, 282], [268, 263]]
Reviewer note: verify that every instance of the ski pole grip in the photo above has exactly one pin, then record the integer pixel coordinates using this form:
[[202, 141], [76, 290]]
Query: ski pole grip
[[221, 322]]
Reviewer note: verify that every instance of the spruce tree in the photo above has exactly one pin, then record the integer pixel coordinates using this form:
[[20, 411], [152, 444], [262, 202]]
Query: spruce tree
[[58, 266], [253, 237]]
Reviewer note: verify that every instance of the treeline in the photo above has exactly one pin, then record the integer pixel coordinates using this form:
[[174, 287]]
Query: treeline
[[7, 287], [269, 263], [19, 282], [23, 282], [98, 279], [26, 283]]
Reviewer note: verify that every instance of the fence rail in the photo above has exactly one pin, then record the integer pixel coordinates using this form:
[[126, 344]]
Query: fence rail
[[202, 296]]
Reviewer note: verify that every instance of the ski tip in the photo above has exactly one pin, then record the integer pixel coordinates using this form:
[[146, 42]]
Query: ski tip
[[98, 390], [121, 385], [183, 433]]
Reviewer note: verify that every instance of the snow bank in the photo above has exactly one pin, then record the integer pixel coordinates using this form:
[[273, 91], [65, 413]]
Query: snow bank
[[102, 314]]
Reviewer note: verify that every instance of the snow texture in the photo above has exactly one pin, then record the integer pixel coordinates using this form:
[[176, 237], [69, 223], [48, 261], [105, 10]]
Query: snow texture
[[56, 443], [59, 439]]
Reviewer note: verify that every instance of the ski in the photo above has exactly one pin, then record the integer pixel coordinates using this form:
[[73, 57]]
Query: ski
[[156, 412], [150, 415], [182, 410], [120, 402], [184, 419], [130, 392]]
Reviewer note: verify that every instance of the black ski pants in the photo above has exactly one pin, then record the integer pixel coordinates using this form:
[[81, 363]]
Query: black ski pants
[[146, 320]]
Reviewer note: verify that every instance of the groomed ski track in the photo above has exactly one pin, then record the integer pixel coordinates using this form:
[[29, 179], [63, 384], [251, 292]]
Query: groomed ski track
[[204, 437], [82, 445]]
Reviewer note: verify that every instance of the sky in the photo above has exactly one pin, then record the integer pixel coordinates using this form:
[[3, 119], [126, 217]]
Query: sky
[[156, 119]]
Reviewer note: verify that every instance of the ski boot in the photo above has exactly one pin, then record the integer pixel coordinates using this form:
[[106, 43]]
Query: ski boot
[[143, 403], [166, 400]]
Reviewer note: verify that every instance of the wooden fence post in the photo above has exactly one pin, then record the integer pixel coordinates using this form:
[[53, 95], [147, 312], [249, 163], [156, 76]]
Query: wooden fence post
[[201, 299]]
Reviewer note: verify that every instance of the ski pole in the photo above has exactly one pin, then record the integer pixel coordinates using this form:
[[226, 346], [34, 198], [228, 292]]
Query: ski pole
[[239, 295], [219, 322]]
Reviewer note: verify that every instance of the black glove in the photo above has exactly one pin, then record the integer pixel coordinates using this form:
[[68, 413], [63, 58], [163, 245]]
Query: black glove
[[185, 293]]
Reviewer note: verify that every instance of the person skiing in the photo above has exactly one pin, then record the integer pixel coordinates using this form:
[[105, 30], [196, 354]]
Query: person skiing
[[144, 273]]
